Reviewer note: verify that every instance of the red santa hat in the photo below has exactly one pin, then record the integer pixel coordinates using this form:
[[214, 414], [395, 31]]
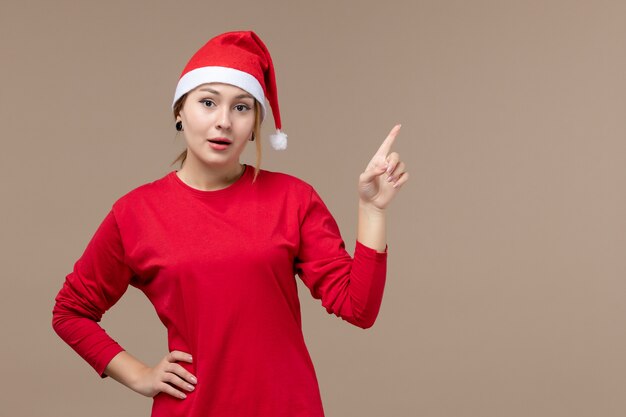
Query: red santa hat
[[240, 59]]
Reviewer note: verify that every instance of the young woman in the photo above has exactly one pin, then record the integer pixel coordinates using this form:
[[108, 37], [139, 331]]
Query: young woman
[[215, 246]]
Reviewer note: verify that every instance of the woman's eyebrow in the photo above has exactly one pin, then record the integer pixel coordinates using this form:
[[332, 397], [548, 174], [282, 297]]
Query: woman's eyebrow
[[210, 90]]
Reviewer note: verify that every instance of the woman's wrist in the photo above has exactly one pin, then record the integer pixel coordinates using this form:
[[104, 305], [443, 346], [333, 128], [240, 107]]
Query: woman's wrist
[[371, 226], [137, 377], [127, 370], [370, 208]]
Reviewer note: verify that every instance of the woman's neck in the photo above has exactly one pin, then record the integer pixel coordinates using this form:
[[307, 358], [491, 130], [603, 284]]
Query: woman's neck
[[212, 178]]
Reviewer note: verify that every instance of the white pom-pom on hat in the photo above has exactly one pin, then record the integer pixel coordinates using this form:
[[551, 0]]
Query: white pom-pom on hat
[[278, 140], [240, 59]]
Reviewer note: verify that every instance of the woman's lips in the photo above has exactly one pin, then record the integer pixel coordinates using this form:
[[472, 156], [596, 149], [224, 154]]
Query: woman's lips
[[219, 144]]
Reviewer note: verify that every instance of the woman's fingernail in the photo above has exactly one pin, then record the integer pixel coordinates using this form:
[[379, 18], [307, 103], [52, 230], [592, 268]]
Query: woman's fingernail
[[183, 396], [190, 358], [190, 387], [194, 380]]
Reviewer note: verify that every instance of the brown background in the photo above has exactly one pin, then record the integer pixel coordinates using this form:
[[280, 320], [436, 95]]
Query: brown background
[[505, 294]]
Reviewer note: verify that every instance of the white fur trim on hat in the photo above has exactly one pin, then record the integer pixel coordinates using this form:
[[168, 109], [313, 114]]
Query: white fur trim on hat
[[199, 76]]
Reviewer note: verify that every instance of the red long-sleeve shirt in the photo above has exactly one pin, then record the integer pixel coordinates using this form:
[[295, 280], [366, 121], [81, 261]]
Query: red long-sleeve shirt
[[219, 268]]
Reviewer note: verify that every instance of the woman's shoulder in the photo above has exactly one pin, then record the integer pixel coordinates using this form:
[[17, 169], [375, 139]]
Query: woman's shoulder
[[282, 179], [144, 192]]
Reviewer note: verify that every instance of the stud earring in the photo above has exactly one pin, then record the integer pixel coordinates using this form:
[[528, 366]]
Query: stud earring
[[179, 126]]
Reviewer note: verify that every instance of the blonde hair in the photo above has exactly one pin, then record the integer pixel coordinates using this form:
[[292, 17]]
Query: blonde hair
[[256, 131]]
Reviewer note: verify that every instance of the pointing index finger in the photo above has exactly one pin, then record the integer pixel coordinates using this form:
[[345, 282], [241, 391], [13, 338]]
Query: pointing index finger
[[385, 147]]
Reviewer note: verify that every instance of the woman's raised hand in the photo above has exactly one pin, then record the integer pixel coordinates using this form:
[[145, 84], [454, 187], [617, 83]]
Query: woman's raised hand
[[168, 377], [375, 188]]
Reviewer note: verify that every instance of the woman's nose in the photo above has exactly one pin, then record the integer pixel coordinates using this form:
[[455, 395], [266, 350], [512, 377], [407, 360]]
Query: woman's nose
[[223, 119]]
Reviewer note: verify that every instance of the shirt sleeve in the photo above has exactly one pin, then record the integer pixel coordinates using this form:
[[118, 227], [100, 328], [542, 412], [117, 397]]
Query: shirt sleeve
[[98, 280], [350, 288]]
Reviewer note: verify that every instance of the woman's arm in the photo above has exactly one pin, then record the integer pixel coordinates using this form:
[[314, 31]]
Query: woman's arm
[[99, 278], [352, 288], [378, 185]]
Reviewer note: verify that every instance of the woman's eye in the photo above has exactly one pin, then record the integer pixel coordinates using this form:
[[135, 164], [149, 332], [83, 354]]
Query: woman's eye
[[207, 103], [242, 107]]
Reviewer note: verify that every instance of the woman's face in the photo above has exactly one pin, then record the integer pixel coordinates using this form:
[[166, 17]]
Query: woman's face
[[218, 120]]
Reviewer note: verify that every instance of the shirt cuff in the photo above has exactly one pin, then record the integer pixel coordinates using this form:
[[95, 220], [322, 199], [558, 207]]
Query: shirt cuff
[[106, 357], [370, 252]]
